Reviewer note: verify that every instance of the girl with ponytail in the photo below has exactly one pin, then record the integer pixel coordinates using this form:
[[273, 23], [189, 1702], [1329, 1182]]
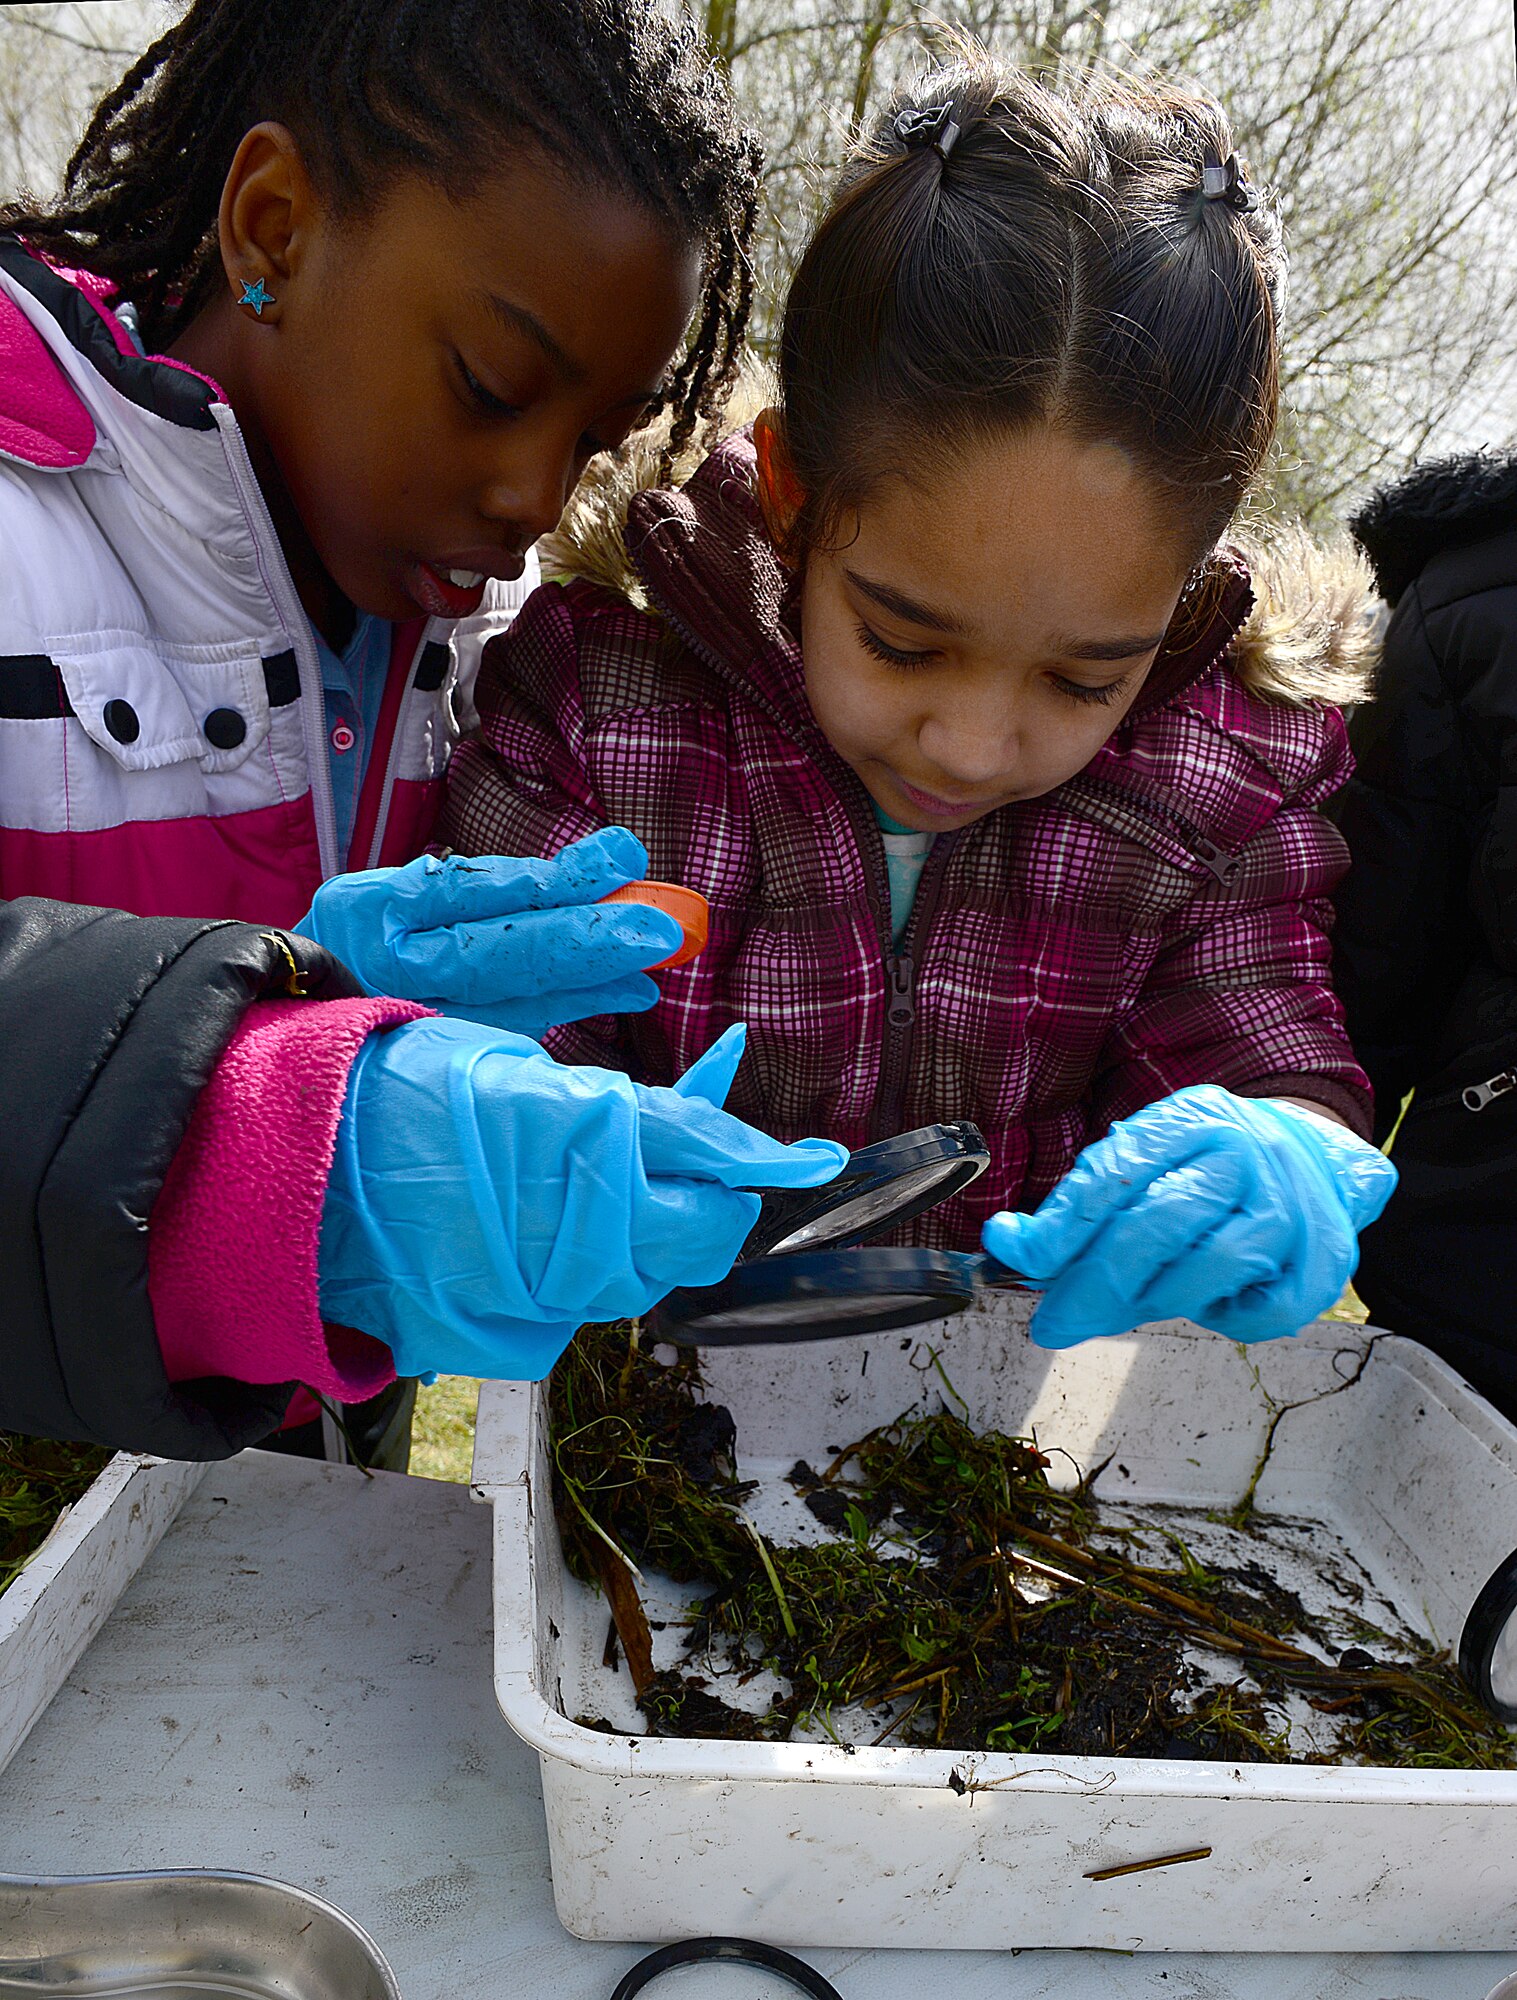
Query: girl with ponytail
[[998, 754]]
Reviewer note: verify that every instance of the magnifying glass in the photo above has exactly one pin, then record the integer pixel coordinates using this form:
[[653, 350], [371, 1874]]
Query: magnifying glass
[[803, 1276], [829, 1295], [881, 1186], [1488, 1643]]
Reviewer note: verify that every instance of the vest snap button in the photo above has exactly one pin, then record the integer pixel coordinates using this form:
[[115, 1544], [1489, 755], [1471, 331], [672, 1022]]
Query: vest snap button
[[225, 728], [120, 719], [343, 738]]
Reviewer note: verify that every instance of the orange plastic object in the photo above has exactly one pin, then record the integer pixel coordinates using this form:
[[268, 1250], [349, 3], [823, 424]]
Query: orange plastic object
[[688, 907]]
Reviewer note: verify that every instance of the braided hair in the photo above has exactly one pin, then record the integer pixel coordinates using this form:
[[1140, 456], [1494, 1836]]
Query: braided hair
[[619, 94]]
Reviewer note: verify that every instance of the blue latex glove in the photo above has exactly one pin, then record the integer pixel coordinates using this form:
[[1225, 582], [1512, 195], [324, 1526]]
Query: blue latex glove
[[1241, 1213], [517, 944], [485, 1200]]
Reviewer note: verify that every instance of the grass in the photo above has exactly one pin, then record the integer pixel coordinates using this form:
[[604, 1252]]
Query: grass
[[442, 1438], [38, 1479]]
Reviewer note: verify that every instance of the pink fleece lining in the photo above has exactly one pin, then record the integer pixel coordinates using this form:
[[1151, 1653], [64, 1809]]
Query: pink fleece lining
[[43, 422], [233, 1236]]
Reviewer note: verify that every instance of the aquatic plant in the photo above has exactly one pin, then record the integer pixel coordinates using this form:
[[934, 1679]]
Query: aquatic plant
[[963, 1602]]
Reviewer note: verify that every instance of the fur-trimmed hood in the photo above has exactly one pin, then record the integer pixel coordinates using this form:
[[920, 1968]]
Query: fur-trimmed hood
[[1446, 504], [1312, 634]]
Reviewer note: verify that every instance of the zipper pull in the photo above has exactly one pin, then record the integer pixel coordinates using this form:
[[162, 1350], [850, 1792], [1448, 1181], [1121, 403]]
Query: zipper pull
[[902, 975], [1217, 861], [1479, 1095]]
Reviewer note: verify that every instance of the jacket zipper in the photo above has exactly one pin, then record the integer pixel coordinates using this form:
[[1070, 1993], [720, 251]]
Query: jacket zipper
[[281, 588], [280, 585], [1219, 862], [1473, 1096], [900, 974], [900, 966], [1476, 1096]]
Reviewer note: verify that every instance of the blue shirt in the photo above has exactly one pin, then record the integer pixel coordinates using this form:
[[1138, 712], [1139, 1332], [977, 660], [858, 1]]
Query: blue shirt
[[353, 685], [906, 853]]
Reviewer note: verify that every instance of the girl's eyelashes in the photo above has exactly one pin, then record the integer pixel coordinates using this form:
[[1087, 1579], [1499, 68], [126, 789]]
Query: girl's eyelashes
[[1082, 691], [476, 393], [910, 662], [488, 404], [892, 656]]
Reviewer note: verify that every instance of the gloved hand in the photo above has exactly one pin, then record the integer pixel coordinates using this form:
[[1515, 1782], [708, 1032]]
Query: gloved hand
[[517, 944], [1240, 1213], [485, 1200]]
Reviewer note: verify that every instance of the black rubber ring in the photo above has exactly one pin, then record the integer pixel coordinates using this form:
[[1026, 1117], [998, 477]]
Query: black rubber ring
[[736, 1951], [1488, 1618]]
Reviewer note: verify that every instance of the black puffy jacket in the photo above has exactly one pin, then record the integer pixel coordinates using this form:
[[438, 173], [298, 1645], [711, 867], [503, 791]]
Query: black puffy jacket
[[109, 1027], [1425, 950]]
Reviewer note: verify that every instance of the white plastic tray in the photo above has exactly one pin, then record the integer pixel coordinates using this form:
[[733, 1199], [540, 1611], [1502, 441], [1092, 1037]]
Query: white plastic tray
[[808, 1844], [64, 1595]]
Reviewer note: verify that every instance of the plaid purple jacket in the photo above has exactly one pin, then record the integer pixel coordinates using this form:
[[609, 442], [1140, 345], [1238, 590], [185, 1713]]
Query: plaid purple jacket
[[1160, 920]]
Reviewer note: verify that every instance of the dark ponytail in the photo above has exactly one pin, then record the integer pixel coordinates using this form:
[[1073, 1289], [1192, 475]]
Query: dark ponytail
[[619, 93], [1058, 261]]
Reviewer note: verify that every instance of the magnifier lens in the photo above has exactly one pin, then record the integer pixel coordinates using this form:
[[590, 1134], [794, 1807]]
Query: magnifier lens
[[881, 1185], [870, 1209], [818, 1295]]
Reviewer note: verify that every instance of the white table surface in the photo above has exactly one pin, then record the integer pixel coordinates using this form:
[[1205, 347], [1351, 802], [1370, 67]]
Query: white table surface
[[298, 1684]]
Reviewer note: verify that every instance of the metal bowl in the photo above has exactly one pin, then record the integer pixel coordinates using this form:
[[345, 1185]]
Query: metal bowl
[[181, 1936]]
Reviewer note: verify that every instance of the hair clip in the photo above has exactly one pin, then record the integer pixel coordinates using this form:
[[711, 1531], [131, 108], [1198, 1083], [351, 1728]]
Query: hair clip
[[933, 126], [1225, 182]]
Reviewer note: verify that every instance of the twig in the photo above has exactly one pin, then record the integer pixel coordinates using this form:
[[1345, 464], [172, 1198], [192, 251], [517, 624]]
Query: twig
[[891, 1727], [1192, 1607], [630, 1620], [1142, 1867]]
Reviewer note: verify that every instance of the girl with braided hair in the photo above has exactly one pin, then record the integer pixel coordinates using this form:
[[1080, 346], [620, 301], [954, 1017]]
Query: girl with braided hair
[[998, 758], [338, 302]]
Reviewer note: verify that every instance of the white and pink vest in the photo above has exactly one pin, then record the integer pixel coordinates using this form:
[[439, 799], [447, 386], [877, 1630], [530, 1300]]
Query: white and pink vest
[[162, 726]]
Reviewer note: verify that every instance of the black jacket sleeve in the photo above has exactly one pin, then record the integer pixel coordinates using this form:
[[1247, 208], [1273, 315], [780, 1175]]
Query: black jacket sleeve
[[109, 1027], [1403, 938]]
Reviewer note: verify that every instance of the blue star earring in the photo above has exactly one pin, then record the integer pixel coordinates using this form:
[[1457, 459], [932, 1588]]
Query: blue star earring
[[256, 296]]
